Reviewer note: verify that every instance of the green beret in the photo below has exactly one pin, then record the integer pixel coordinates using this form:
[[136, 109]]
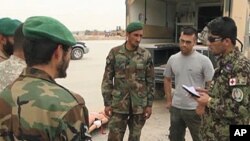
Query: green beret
[[42, 27], [8, 26], [134, 26]]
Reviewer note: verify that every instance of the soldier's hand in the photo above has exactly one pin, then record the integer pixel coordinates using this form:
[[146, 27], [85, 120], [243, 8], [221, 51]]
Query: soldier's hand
[[108, 111], [201, 90], [203, 99], [147, 112]]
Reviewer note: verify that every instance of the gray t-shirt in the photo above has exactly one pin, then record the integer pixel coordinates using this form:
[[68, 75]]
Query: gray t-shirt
[[192, 70]]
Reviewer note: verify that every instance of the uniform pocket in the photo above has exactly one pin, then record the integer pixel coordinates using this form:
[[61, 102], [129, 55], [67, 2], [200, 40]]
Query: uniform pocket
[[120, 66], [116, 97], [142, 97], [140, 71], [116, 94]]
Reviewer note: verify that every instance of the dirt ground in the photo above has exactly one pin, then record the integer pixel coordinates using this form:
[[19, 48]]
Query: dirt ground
[[84, 77], [155, 129]]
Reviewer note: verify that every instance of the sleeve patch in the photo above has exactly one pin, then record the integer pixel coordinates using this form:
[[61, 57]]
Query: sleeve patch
[[237, 94], [238, 81]]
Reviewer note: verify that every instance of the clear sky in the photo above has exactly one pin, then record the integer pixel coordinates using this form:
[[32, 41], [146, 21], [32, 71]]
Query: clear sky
[[75, 14]]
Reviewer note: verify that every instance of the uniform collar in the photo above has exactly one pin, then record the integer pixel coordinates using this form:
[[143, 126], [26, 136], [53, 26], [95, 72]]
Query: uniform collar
[[123, 49], [20, 60], [37, 73], [227, 58]]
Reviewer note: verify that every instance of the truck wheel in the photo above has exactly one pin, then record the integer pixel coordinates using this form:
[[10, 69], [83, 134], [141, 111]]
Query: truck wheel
[[76, 54]]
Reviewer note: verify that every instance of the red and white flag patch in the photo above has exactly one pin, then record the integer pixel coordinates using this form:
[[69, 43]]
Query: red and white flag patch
[[232, 81]]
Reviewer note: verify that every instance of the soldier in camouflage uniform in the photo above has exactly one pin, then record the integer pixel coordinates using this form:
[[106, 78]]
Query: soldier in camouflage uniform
[[35, 107], [228, 100], [11, 68], [127, 86], [7, 30]]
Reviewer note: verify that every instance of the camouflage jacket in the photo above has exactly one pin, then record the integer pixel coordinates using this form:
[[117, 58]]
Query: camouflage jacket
[[230, 92], [35, 108], [10, 69], [128, 81]]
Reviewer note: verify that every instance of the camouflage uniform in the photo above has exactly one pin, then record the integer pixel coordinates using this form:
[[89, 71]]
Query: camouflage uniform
[[35, 108], [10, 70], [128, 85], [230, 93]]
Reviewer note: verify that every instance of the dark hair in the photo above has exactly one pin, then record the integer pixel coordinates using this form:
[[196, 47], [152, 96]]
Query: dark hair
[[224, 27], [188, 30], [40, 51], [18, 38]]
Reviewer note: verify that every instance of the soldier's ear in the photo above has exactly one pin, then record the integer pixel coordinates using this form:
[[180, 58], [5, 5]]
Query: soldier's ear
[[226, 41], [2, 39], [58, 54]]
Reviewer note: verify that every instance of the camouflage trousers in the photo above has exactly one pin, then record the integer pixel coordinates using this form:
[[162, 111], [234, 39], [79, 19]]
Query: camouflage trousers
[[118, 124]]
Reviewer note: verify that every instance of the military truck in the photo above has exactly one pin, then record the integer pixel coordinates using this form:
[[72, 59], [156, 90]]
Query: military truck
[[163, 20]]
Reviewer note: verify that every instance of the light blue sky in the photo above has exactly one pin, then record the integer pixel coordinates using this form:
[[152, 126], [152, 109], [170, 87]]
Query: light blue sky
[[75, 14]]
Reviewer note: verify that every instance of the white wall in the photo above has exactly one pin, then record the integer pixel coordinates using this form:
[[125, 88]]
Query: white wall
[[155, 14], [136, 8]]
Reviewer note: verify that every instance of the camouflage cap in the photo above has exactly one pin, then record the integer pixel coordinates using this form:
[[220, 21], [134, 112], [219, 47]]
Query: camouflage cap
[[134, 26], [8, 26], [42, 27]]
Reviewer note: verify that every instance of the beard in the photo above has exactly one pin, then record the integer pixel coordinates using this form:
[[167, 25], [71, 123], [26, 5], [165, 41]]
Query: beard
[[8, 48], [134, 46], [62, 67]]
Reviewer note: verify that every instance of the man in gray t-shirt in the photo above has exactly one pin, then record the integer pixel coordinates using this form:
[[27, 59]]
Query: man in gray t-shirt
[[189, 68]]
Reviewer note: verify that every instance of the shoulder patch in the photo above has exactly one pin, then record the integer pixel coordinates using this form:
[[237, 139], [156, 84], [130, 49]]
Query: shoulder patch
[[232, 81], [238, 81], [237, 94], [242, 80]]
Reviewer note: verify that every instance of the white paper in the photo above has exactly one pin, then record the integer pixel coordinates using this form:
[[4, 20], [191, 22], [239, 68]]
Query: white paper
[[191, 90]]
